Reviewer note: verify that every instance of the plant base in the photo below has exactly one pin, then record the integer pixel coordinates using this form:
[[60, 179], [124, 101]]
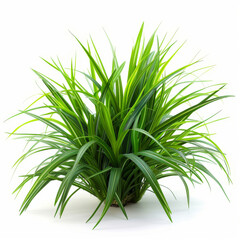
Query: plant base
[[128, 199]]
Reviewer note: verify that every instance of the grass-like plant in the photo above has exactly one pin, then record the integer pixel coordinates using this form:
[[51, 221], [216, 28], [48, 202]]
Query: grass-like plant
[[135, 136]]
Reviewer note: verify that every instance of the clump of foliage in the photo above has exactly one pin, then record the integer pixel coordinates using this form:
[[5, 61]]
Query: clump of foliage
[[135, 136]]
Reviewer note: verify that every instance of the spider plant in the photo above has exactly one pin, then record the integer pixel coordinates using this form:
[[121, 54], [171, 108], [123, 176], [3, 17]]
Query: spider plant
[[133, 137]]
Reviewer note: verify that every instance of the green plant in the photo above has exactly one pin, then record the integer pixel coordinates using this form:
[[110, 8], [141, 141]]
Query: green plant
[[136, 135]]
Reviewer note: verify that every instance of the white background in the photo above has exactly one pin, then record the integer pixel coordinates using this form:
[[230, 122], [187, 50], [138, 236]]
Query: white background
[[29, 29]]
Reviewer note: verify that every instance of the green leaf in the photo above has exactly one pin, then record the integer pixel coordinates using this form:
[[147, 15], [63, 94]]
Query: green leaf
[[114, 178], [151, 178], [135, 52], [39, 182]]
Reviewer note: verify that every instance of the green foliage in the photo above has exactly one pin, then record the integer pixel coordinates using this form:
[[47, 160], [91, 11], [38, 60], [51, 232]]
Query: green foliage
[[135, 136]]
